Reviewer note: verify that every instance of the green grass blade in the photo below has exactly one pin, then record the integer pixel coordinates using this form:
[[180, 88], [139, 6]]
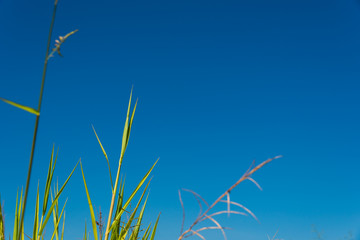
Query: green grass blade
[[2, 223], [63, 228], [154, 229], [17, 214], [115, 232], [107, 159], [125, 230], [16, 218], [57, 223], [85, 234], [133, 194], [123, 148], [48, 182], [135, 233], [25, 108], [130, 124], [126, 129], [42, 227], [36, 220], [93, 220], [147, 233], [55, 211]]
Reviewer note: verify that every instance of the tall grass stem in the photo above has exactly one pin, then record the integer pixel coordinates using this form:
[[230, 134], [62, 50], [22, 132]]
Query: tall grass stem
[[37, 122]]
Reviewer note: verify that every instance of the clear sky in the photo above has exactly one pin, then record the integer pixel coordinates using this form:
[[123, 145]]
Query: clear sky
[[220, 83]]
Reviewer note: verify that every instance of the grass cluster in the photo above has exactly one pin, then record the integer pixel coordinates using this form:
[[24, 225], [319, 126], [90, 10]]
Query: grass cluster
[[116, 226]]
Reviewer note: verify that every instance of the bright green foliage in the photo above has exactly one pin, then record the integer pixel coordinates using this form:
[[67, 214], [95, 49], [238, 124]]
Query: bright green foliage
[[131, 228], [45, 212]]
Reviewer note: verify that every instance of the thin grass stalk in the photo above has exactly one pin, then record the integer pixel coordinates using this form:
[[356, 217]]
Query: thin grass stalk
[[37, 121], [126, 135], [244, 177]]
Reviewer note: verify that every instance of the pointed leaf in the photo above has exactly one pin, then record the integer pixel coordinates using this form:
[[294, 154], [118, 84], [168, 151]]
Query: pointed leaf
[[107, 159], [42, 227], [93, 220], [57, 223], [25, 108], [36, 220], [154, 229]]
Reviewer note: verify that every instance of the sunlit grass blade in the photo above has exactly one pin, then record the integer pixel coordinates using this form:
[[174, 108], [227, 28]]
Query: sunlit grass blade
[[147, 233], [85, 233], [107, 159], [57, 223], [154, 229], [135, 233], [42, 227], [23, 107], [48, 181], [126, 128], [36, 219], [131, 122], [93, 220], [125, 139], [116, 230], [2, 223], [63, 228], [55, 210], [16, 218], [132, 195], [125, 230], [17, 214]]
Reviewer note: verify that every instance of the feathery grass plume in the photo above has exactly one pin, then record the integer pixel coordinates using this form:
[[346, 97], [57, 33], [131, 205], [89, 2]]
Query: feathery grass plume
[[191, 231], [115, 227]]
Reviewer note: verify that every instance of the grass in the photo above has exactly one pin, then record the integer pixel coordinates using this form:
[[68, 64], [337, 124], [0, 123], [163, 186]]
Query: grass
[[117, 227]]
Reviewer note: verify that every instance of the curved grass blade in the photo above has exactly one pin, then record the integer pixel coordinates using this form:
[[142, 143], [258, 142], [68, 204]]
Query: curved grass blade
[[154, 229], [93, 220], [23, 107], [107, 159]]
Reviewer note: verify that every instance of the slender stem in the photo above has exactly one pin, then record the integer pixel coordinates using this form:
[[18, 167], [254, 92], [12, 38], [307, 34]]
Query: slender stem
[[244, 177], [37, 122], [107, 231]]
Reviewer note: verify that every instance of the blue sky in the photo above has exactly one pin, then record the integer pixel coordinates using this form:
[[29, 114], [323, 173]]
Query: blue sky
[[220, 83]]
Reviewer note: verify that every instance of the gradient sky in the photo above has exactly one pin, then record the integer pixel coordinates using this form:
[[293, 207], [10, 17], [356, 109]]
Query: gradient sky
[[220, 83]]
